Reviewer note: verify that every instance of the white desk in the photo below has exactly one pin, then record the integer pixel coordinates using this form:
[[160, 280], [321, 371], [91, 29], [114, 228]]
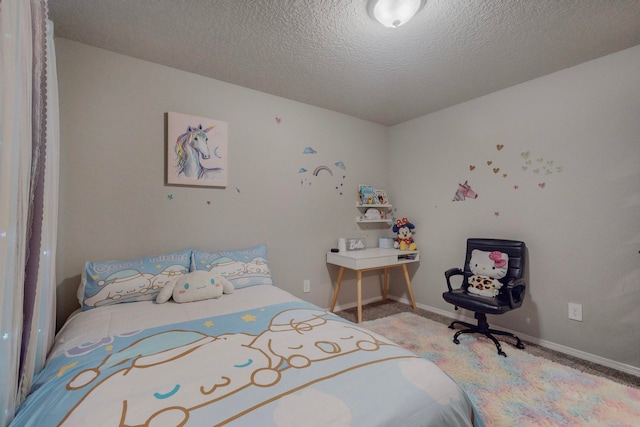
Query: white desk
[[372, 259]]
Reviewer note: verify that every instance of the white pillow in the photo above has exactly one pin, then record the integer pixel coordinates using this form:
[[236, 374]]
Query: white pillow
[[195, 286]]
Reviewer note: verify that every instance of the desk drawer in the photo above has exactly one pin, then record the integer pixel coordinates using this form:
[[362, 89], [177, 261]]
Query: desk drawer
[[376, 262], [371, 258]]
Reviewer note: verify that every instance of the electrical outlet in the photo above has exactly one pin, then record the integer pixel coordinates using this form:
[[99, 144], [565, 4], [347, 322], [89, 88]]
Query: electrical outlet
[[575, 311], [307, 285]]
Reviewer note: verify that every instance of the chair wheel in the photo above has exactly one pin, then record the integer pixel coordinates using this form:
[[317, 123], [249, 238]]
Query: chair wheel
[[502, 353], [456, 340], [520, 345]]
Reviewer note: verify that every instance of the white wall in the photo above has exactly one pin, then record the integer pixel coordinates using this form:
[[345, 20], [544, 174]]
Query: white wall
[[114, 204], [582, 229]]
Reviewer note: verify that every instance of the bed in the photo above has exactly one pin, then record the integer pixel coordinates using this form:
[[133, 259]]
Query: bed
[[255, 357]]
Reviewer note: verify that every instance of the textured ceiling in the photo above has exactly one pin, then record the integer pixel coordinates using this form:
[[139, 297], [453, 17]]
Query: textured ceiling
[[331, 54]]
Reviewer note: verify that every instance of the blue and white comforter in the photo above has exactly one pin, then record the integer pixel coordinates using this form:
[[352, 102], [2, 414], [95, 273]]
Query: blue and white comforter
[[282, 365]]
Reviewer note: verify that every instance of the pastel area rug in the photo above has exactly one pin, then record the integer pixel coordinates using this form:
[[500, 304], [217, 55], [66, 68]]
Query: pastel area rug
[[518, 390]]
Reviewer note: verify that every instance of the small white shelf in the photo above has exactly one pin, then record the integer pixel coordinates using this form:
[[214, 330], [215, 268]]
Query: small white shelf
[[360, 205], [362, 220]]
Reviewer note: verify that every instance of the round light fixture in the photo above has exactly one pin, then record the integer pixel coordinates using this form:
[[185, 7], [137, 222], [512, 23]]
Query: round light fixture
[[394, 13]]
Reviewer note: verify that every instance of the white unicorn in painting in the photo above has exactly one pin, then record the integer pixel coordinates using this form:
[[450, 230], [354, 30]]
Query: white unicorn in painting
[[190, 147]]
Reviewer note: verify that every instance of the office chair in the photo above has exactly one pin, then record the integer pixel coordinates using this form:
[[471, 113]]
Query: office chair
[[507, 298]]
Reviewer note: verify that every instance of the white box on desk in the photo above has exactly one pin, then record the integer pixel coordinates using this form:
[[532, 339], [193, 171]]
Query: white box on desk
[[386, 242]]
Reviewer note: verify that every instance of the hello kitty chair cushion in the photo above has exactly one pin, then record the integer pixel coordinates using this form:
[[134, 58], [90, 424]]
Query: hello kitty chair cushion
[[487, 269]]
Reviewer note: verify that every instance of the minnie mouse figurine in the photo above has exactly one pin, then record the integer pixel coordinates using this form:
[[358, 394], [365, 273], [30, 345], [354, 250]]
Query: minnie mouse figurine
[[405, 234]]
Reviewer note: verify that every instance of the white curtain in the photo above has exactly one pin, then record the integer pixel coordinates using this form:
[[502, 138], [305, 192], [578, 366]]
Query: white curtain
[[15, 165], [39, 337], [28, 197]]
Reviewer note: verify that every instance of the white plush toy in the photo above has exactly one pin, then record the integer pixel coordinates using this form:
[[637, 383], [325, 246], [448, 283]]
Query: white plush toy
[[195, 286], [487, 268]]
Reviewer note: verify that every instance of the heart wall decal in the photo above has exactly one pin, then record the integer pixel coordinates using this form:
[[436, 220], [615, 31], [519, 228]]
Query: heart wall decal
[[500, 147], [471, 167]]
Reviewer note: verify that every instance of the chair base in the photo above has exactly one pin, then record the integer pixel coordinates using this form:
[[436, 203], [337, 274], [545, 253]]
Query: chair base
[[483, 328]]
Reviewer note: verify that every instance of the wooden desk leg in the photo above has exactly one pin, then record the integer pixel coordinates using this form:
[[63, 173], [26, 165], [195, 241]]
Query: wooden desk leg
[[385, 283], [337, 289], [359, 274], [406, 278]]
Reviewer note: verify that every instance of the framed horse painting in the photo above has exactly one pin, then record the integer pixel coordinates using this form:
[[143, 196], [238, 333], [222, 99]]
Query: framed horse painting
[[196, 151]]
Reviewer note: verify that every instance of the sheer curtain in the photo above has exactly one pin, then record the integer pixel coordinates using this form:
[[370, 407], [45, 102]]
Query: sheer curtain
[[29, 147]]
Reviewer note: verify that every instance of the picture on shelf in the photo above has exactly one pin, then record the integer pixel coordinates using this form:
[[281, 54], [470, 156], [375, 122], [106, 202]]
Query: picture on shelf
[[380, 196], [367, 195]]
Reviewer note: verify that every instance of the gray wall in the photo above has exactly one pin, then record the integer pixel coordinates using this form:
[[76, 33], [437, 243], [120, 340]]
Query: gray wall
[[114, 204], [582, 229]]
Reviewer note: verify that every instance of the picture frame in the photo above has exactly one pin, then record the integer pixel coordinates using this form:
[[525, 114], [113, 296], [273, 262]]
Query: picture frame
[[366, 194], [196, 151], [380, 196]]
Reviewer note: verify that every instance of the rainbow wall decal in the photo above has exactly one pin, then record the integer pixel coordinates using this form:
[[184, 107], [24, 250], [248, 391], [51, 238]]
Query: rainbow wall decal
[[320, 169]]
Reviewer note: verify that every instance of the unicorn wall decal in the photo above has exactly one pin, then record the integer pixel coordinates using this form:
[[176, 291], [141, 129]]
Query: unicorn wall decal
[[190, 148], [464, 192]]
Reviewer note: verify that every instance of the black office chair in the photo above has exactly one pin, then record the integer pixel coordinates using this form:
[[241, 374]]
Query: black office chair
[[510, 296]]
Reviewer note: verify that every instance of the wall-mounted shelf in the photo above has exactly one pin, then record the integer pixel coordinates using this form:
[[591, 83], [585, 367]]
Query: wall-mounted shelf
[[373, 221], [363, 208], [360, 205]]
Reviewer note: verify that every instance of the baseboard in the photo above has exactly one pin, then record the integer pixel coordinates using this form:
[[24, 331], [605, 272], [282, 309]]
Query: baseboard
[[633, 370], [364, 302]]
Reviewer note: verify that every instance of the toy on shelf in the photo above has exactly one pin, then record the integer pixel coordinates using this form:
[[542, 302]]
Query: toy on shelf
[[373, 214], [404, 229]]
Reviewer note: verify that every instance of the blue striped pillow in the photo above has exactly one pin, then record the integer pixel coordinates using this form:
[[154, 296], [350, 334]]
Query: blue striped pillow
[[242, 267], [139, 279]]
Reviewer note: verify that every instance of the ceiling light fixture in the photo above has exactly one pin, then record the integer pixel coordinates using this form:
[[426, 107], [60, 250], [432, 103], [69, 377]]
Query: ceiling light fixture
[[393, 13]]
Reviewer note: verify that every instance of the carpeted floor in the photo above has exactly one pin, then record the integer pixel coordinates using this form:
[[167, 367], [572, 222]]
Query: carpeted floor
[[382, 309], [522, 389]]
